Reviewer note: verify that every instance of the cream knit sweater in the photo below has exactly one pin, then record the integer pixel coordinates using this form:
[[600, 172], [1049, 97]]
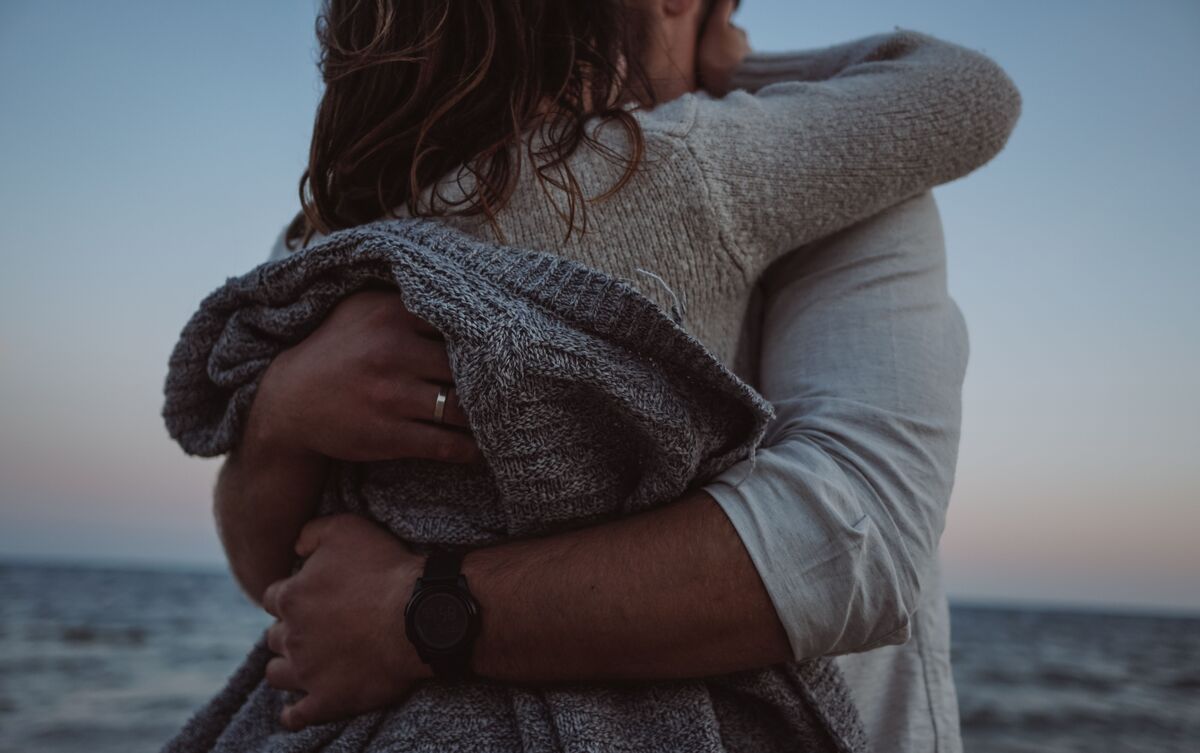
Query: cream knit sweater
[[811, 142]]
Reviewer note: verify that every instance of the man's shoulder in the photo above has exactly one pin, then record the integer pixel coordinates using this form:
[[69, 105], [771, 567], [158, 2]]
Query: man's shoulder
[[907, 230]]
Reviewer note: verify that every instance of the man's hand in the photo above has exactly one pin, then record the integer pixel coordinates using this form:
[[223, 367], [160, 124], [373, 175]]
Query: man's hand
[[721, 50], [340, 622], [362, 387]]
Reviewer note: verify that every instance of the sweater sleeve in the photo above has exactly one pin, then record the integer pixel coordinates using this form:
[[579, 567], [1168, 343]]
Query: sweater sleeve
[[863, 356], [833, 136]]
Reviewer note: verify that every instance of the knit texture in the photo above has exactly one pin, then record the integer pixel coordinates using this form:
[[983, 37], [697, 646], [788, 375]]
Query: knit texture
[[588, 403], [810, 143]]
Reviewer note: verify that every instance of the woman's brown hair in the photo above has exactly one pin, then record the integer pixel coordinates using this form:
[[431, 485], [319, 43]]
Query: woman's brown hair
[[416, 88]]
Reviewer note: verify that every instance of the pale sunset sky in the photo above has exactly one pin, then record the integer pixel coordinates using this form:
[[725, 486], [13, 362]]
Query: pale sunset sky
[[151, 149]]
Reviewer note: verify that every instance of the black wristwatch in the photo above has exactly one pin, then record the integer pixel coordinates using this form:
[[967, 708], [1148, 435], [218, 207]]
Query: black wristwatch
[[442, 618]]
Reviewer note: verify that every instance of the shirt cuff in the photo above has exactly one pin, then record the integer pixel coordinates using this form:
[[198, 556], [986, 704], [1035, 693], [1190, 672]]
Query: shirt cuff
[[822, 561]]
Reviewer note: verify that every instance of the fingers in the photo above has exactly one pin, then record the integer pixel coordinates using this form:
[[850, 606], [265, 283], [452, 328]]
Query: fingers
[[428, 359], [322, 529], [424, 328], [313, 531], [281, 674], [720, 19], [271, 598], [414, 322], [453, 412], [720, 11], [277, 636], [397, 423], [422, 440], [315, 708], [420, 401], [298, 715]]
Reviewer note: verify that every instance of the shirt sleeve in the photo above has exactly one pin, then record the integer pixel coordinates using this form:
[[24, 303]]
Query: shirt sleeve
[[829, 137], [863, 356]]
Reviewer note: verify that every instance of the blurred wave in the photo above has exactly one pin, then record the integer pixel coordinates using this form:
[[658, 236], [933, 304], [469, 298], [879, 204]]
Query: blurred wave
[[1049, 680]]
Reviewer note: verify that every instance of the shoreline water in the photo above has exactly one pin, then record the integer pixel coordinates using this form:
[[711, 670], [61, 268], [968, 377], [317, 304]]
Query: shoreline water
[[115, 656]]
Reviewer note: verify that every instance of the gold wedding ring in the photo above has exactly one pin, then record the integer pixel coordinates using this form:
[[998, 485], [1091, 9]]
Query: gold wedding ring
[[439, 408]]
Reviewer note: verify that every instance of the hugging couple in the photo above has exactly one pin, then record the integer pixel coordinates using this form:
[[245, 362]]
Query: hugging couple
[[604, 393]]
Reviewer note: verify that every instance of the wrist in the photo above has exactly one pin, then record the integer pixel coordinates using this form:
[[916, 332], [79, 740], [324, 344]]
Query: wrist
[[490, 574], [267, 433]]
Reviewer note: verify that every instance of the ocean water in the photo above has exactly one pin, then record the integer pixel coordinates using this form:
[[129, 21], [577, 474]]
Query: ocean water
[[102, 660], [1031, 681]]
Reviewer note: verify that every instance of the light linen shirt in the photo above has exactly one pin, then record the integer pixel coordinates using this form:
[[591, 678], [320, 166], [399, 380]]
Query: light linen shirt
[[863, 354]]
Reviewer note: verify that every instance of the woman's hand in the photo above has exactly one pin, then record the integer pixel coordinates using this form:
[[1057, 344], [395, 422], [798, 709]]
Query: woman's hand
[[721, 50], [339, 633], [362, 387]]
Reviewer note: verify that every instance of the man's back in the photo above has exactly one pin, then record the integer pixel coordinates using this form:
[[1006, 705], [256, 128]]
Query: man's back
[[863, 353]]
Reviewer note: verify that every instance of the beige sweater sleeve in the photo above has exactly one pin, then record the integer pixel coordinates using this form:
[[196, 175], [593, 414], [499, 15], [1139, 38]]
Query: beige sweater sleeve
[[832, 136]]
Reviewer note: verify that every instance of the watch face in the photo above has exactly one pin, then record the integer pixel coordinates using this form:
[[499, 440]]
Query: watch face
[[442, 620]]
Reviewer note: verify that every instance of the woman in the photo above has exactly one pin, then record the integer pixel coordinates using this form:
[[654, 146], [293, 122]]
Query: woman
[[723, 187]]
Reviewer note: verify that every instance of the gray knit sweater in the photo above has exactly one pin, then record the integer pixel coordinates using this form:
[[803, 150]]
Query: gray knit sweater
[[588, 403]]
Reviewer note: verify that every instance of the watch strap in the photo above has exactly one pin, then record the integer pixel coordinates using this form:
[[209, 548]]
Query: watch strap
[[443, 565], [456, 667]]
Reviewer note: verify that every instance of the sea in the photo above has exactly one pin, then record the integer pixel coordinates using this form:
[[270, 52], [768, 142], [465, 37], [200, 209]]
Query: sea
[[100, 660]]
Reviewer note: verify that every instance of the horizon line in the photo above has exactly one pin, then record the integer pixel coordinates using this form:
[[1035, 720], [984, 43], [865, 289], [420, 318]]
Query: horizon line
[[207, 567]]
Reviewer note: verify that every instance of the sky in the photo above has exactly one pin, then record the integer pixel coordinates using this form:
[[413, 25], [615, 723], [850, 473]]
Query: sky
[[151, 149]]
